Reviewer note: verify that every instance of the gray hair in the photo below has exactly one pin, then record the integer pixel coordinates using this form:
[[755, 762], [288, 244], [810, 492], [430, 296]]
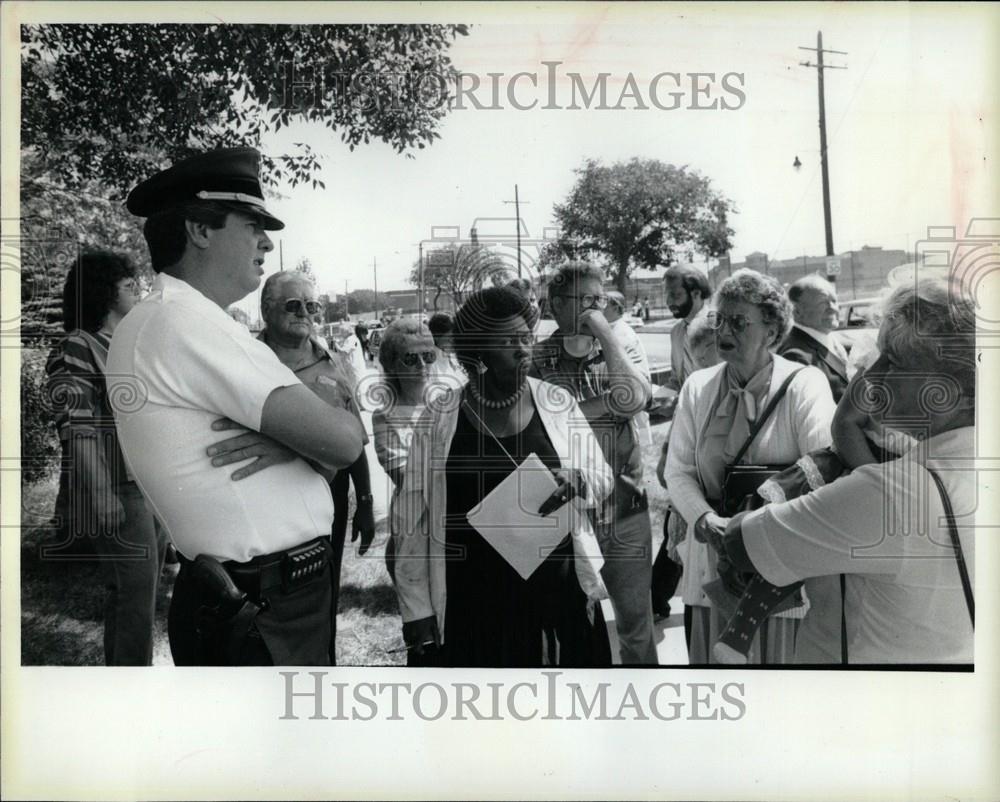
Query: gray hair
[[275, 281], [699, 332], [931, 324], [616, 298], [393, 345], [810, 282], [762, 291], [568, 277]]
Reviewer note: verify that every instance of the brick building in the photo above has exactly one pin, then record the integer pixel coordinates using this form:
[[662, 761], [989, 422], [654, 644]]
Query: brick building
[[863, 273]]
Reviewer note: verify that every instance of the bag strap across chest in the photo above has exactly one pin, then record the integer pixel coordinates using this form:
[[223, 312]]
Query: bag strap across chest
[[762, 418]]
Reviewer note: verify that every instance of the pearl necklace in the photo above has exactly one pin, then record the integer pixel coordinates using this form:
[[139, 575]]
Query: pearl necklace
[[509, 401]]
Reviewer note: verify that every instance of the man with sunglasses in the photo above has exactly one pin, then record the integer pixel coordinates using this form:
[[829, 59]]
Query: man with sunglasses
[[288, 306], [584, 356], [254, 585]]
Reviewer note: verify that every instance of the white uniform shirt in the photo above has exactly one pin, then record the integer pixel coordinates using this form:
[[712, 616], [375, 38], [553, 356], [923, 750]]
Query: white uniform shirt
[[192, 364], [883, 526]]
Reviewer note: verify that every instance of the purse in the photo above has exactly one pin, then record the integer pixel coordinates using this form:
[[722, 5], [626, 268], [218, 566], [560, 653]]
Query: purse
[[739, 494], [740, 482]]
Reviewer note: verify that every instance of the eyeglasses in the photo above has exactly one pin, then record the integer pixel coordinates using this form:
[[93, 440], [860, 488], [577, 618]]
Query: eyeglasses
[[737, 323], [527, 339], [294, 306], [590, 301], [413, 359]]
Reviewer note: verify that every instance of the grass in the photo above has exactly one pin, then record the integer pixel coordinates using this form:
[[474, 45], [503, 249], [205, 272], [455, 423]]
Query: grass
[[62, 600]]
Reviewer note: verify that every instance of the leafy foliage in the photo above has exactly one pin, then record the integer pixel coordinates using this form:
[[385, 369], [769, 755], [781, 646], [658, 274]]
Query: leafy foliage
[[114, 102], [639, 213], [367, 301], [39, 445], [458, 269]]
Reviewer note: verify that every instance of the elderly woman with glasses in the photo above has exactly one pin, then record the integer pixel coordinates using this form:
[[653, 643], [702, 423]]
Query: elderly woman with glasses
[[462, 602], [716, 410], [908, 566]]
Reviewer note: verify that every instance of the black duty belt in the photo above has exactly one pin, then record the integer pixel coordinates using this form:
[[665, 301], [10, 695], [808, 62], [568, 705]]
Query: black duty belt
[[282, 570]]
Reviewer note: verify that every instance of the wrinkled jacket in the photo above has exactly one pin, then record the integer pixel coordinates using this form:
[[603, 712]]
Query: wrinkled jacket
[[419, 513]]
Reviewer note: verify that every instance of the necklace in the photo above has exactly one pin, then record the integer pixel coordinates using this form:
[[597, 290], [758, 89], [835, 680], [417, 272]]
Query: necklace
[[509, 401]]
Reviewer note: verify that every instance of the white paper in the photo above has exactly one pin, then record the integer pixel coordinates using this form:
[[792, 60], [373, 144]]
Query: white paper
[[508, 517]]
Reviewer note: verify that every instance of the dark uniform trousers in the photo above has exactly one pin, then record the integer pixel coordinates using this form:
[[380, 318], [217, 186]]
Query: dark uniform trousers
[[293, 626]]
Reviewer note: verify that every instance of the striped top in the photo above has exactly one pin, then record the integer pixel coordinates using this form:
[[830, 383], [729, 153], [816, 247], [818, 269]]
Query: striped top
[[78, 392], [76, 386]]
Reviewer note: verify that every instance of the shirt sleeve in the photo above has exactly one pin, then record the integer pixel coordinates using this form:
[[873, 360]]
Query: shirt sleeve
[[836, 529], [813, 409], [73, 388], [682, 473], [187, 361], [388, 446]]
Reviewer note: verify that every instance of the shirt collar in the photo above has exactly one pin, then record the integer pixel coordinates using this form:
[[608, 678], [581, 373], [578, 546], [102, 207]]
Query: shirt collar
[[822, 337]]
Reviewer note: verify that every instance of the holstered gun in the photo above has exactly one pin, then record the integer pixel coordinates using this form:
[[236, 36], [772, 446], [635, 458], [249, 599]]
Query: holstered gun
[[226, 614]]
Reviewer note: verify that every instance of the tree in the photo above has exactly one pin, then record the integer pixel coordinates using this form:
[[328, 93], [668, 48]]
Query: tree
[[55, 225], [305, 267], [116, 102], [639, 213], [458, 269], [366, 301]]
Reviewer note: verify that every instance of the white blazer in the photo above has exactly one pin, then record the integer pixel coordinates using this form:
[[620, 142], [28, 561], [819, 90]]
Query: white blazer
[[419, 513]]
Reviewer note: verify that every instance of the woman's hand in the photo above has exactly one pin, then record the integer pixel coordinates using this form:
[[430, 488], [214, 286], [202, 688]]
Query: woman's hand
[[661, 466], [421, 634], [268, 452], [710, 529], [570, 485]]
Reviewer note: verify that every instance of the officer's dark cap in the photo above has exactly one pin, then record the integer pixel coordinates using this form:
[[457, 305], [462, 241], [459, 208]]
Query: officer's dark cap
[[229, 175]]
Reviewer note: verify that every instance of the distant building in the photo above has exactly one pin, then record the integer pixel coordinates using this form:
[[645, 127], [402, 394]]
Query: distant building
[[863, 273]]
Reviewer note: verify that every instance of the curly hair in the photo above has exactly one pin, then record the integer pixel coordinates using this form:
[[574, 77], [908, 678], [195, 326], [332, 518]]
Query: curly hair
[[440, 323], [931, 325], [476, 320], [92, 287], [764, 292]]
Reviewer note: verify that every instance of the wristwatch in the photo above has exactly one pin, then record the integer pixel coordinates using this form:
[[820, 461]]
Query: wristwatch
[[368, 498]]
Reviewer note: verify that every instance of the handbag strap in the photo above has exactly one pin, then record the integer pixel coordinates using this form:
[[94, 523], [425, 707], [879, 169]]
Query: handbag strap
[[963, 570], [762, 419]]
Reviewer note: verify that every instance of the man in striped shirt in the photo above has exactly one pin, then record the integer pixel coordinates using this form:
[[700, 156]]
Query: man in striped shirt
[[584, 356]]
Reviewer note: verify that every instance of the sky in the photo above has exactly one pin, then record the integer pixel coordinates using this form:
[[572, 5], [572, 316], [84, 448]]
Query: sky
[[909, 125]]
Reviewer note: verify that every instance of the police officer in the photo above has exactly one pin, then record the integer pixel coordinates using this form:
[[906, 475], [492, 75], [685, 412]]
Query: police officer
[[254, 585]]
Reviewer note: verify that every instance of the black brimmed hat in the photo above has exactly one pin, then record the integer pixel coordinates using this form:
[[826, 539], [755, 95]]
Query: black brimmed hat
[[229, 175]]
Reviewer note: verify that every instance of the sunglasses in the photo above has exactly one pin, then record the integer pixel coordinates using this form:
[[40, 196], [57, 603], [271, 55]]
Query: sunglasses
[[294, 306], [737, 323], [413, 359]]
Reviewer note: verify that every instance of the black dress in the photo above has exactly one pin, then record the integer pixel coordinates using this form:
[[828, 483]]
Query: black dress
[[493, 617]]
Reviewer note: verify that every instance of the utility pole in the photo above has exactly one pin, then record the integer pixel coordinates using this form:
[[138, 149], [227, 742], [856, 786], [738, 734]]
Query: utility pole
[[420, 311], [347, 303], [281, 255], [375, 271], [517, 215], [820, 66]]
